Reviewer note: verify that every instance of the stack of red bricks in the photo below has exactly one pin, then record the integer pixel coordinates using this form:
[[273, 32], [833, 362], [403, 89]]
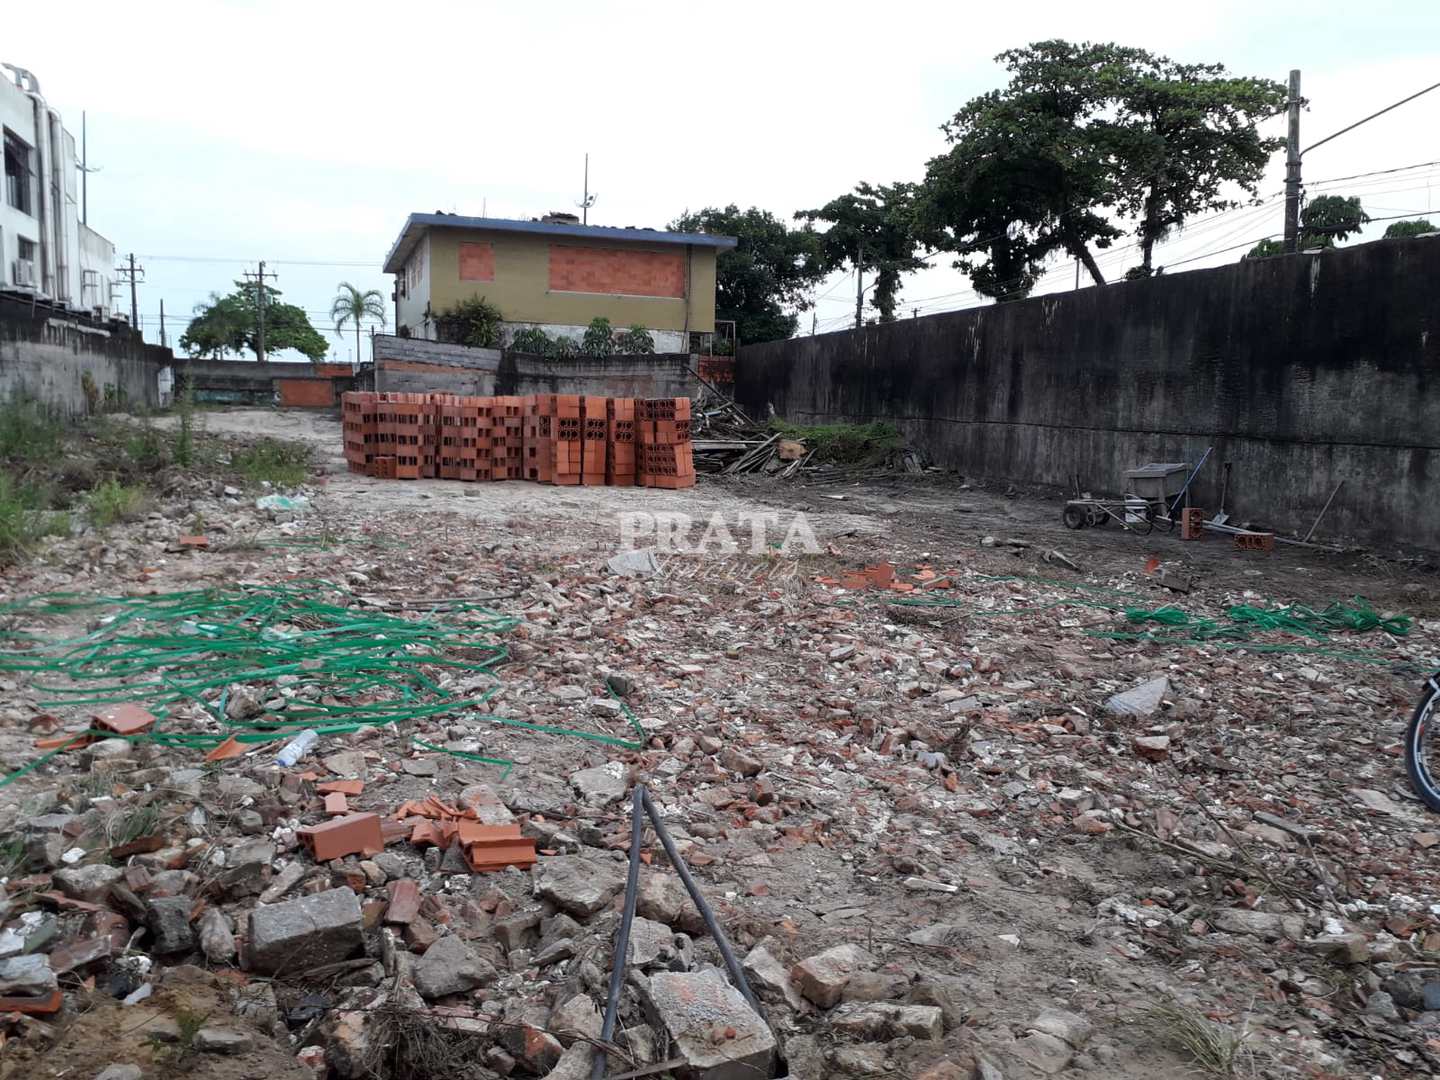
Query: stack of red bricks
[[548, 438]]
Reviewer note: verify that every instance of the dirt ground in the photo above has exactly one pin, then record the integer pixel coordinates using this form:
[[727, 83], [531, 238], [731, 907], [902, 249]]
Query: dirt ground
[[951, 791]]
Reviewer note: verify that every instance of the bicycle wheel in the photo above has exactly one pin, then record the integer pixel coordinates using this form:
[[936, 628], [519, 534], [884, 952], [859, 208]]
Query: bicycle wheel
[[1422, 746]]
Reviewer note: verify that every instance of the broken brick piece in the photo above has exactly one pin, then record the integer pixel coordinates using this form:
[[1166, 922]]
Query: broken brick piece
[[342, 787], [336, 804], [32, 1006], [354, 834], [404, 901], [230, 748], [124, 719], [194, 541]]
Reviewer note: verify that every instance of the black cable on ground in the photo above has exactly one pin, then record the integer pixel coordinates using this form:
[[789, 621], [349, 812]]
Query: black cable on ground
[[732, 965], [622, 936]]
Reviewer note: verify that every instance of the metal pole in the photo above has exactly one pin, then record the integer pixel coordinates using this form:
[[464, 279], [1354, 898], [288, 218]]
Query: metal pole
[[859, 278], [1323, 509], [1292, 168], [134, 303], [162, 322], [84, 172], [260, 313]]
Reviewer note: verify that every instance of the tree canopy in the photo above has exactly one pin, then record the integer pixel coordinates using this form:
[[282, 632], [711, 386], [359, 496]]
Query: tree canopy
[[1398, 230], [1324, 222], [226, 324], [353, 306], [765, 281], [872, 228], [1083, 135]]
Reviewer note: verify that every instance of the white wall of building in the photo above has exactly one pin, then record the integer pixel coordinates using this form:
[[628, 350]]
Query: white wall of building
[[62, 250]]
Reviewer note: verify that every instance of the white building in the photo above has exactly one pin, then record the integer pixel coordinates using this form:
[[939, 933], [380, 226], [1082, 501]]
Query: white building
[[45, 250]]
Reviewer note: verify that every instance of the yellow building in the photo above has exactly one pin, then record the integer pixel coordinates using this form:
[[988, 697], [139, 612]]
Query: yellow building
[[556, 274]]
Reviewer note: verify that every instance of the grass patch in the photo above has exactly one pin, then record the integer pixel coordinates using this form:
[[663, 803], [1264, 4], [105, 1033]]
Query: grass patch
[[844, 444], [1212, 1047], [30, 432], [111, 501], [146, 448], [277, 462], [25, 518]]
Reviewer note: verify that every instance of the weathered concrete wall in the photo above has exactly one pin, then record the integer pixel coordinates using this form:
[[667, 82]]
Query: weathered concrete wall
[[1301, 371], [407, 365], [46, 354], [244, 382]]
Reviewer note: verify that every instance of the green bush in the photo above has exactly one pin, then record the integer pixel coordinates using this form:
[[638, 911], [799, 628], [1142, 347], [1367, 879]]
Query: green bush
[[282, 464], [184, 443], [532, 340], [637, 341], [844, 443], [599, 339], [111, 501], [24, 518], [146, 448], [474, 322], [29, 432]]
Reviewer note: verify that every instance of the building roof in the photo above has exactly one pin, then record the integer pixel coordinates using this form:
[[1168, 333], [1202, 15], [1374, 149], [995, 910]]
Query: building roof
[[417, 224]]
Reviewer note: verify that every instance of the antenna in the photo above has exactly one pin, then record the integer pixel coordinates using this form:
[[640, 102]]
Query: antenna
[[589, 200]]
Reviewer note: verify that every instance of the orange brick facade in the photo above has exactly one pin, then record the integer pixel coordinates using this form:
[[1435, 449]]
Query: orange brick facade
[[306, 393], [477, 262], [616, 271]]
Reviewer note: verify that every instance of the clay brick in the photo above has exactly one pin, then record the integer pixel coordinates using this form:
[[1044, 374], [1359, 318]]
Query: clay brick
[[124, 719], [356, 834], [1192, 523]]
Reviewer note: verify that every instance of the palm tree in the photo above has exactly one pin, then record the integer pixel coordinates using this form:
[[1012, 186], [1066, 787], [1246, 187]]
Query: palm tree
[[352, 306]]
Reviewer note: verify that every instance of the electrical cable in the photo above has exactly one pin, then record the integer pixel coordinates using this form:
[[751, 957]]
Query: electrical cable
[[621, 958]]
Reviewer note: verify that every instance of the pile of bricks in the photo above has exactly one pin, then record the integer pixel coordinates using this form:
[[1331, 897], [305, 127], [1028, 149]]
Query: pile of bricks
[[548, 438]]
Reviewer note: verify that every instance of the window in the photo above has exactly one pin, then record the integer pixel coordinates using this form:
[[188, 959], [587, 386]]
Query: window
[[27, 248], [17, 173]]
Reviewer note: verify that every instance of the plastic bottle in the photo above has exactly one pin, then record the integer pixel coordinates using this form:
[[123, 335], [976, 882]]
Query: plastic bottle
[[296, 748]]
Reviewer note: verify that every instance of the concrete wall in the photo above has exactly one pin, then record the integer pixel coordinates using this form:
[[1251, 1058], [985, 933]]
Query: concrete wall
[[45, 354], [244, 382], [1301, 370], [521, 285], [410, 366]]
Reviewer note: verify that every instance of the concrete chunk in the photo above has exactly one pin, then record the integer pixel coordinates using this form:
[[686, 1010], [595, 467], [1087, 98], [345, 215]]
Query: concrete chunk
[[449, 967], [881, 1021], [822, 977], [577, 885], [698, 1010], [305, 933], [1140, 701]]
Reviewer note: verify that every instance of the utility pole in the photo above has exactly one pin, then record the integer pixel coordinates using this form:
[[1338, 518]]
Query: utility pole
[[814, 317], [587, 200], [859, 278], [163, 342], [133, 274], [1292, 167], [259, 277]]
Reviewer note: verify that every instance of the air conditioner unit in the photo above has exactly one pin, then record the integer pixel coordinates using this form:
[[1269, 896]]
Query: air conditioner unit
[[22, 272]]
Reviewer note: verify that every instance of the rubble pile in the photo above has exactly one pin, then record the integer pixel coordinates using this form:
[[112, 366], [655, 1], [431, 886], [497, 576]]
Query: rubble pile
[[945, 840]]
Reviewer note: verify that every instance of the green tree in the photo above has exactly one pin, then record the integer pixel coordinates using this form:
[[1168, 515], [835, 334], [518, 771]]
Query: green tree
[[766, 280], [1398, 230], [353, 306], [231, 324], [1184, 136], [872, 228], [1324, 221], [637, 341]]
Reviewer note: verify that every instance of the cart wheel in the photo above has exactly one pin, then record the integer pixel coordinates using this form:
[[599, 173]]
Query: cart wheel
[[1159, 518], [1098, 518], [1075, 517], [1144, 527]]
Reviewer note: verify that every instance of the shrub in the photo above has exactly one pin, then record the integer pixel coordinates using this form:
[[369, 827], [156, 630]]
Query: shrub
[[599, 339], [474, 322], [534, 341], [29, 432], [111, 501], [637, 341], [275, 461], [23, 518], [146, 448], [184, 445]]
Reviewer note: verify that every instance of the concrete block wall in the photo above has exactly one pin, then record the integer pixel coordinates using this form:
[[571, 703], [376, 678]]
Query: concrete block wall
[[410, 365], [1299, 370], [46, 354]]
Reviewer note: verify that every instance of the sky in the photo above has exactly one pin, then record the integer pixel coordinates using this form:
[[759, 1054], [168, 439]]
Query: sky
[[229, 131]]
